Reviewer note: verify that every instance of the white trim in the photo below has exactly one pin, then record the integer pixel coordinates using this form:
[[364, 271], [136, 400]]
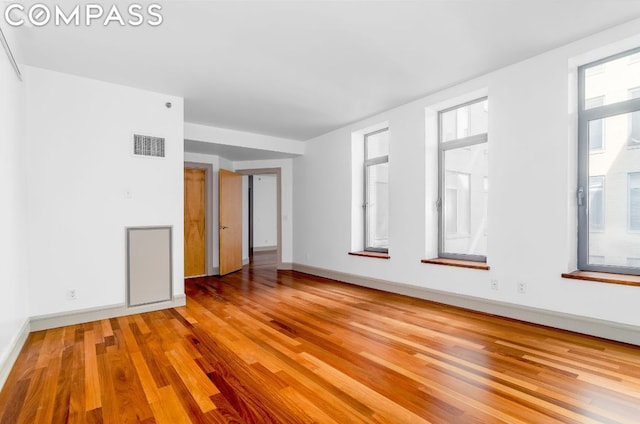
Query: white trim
[[45, 322], [18, 342], [265, 248], [591, 326], [285, 266]]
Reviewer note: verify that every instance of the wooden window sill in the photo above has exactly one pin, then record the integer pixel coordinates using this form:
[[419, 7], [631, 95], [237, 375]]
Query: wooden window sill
[[604, 277], [379, 255], [457, 262]]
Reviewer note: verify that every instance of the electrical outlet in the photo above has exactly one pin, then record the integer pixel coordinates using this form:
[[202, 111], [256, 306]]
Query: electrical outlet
[[494, 284], [522, 287], [71, 294]]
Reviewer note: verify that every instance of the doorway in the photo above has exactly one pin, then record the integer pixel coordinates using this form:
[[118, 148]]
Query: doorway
[[263, 209], [198, 243], [264, 244]]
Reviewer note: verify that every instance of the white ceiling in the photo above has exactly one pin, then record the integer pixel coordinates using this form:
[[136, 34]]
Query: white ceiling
[[299, 69]]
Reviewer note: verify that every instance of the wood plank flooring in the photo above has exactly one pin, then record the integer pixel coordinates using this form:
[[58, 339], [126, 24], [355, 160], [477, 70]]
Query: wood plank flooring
[[265, 347]]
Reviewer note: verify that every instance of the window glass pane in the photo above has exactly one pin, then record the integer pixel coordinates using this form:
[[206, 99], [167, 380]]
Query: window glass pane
[[465, 121], [596, 203], [596, 130], [611, 80], [634, 262], [634, 202], [377, 144], [378, 206], [464, 203], [451, 203], [634, 121], [613, 206]]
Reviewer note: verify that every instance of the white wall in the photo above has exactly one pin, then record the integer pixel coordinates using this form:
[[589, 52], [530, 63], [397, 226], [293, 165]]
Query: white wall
[[14, 266], [286, 167], [265, 210], [532, 173], [86, 187]]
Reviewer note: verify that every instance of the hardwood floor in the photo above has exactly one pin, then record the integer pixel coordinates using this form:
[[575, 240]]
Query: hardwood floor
[[260, 346]]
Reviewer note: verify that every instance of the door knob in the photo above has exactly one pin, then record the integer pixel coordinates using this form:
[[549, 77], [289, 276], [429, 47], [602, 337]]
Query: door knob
[[223, 227]]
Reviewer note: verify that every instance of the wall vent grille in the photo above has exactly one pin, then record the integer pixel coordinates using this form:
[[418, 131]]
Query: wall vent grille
[[146, 145]]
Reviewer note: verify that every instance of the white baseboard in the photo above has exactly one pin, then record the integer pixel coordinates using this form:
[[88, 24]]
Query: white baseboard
[[245, 261], [16, 346], [44, 322], [591, 326], [265, 248], [285, 266]]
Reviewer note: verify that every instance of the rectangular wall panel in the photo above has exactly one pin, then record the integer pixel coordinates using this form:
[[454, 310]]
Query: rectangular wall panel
[[148, 265]]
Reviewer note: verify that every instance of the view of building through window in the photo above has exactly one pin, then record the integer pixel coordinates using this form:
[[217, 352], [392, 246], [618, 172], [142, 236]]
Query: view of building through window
[[377, 190], [464, 181], [612, 162]]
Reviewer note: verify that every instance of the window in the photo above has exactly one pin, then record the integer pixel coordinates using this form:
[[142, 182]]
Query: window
[[634, 202], [609, 165], [376, 183], [596, 129], [634, 122], [596, 203], [633, 262], [464, 184], [457, 219]]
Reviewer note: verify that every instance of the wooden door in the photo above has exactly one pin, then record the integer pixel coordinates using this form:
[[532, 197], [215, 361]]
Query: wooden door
[[194, 223], [230, 229]]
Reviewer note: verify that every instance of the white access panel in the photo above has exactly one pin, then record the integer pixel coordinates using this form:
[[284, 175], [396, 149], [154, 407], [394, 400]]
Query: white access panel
[[148, 265]]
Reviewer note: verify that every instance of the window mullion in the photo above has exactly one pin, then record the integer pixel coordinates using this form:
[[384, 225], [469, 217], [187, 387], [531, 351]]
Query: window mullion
[[376, 161], [465, 142], [606, 111]]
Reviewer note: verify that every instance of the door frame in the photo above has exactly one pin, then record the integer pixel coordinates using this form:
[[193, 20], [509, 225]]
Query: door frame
[[278, 173], [208, 216]]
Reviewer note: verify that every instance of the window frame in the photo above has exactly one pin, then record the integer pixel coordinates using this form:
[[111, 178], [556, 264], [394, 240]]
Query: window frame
[[584, 116], [443, 147], [365, 206]]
